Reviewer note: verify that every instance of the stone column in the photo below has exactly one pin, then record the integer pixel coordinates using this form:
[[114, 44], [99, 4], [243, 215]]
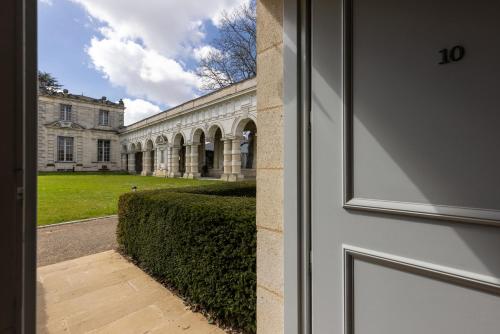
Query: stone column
[[194, 162], [124, 161], [216, 154], [131, 163], [146, 163], [168, 160], [159, 170], [227, 160], [187, 173], [236, 160], [254, 157], [174, 161], [155, 162]]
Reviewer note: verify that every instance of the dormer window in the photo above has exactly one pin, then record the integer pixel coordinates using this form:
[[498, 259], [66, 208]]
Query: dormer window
[[104, 117], [65, 114]]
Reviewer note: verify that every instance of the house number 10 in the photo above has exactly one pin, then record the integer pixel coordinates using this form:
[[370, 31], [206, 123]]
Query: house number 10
[[452, 55]]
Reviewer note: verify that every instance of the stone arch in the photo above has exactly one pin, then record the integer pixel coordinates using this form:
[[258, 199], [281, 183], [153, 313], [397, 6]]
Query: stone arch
[[245, 130], [196, 135], [131, 148], [138, 157], [179, 155], [215, 150], [178, 139], [213, 129], [149, 145], [240, 123], [199, 153]]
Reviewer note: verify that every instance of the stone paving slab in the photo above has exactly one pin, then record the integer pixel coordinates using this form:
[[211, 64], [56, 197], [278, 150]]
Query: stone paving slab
[[63, 242], [104, 293]]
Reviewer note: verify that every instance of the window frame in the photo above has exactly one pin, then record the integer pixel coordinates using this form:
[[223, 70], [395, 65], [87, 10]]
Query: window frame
[[103, 121], [66, 112], [66, 146], [103, 150]]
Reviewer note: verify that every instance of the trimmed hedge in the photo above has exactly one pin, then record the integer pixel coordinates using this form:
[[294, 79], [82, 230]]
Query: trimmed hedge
[[199, 240]]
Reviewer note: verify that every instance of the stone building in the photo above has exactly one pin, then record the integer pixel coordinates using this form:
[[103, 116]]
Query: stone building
[[214, 135], [78, 133]]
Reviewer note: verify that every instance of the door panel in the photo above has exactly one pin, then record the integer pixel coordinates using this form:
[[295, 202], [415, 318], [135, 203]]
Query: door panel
[[412, 138], [397, 297], [409, 170]]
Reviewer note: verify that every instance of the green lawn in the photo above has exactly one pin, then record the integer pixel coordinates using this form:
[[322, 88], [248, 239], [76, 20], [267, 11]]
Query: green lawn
[[73, 196]]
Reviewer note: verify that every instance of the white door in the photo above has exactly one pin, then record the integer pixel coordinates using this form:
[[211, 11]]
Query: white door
[[405, 166]]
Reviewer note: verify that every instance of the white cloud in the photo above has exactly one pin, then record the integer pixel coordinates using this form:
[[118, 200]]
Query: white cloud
[[203, 51], [47, 2], [143, 44], [168, 26], [138, 109], [143, 72]]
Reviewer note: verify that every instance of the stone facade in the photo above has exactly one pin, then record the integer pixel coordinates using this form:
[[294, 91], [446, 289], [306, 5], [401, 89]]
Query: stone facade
[[80, 122], [212, 136]]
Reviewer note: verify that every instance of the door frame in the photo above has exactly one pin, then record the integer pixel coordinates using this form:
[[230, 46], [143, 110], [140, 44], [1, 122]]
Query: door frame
[[296, 29], [297, 166], [19, 166]]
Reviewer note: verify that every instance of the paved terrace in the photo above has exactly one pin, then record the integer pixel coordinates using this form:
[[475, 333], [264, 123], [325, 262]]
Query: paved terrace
[[80, 291], [104, 293]]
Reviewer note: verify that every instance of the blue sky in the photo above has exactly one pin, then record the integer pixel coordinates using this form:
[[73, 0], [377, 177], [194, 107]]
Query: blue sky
[[144, 51]]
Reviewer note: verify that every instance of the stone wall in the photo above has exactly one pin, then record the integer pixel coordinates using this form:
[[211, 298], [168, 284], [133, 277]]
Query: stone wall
[[270, 296]]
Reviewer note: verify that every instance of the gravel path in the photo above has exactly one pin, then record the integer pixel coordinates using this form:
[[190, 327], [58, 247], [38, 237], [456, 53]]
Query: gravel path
[[59, 243]]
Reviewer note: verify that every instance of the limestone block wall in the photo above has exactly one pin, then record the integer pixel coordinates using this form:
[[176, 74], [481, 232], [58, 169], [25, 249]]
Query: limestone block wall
[[270, 281]]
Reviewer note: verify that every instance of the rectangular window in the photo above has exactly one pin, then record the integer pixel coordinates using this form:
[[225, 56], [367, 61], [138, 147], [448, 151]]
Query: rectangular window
[[162, 156], [103, 150], [103, 117], [65, 114], [65, 149]]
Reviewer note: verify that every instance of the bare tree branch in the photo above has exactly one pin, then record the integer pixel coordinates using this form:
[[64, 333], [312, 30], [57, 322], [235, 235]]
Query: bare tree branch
[[234, 55]]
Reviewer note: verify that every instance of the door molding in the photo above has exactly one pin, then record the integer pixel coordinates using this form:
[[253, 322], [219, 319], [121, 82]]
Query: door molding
[[297, 218], [434, 211], [449, 275]]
